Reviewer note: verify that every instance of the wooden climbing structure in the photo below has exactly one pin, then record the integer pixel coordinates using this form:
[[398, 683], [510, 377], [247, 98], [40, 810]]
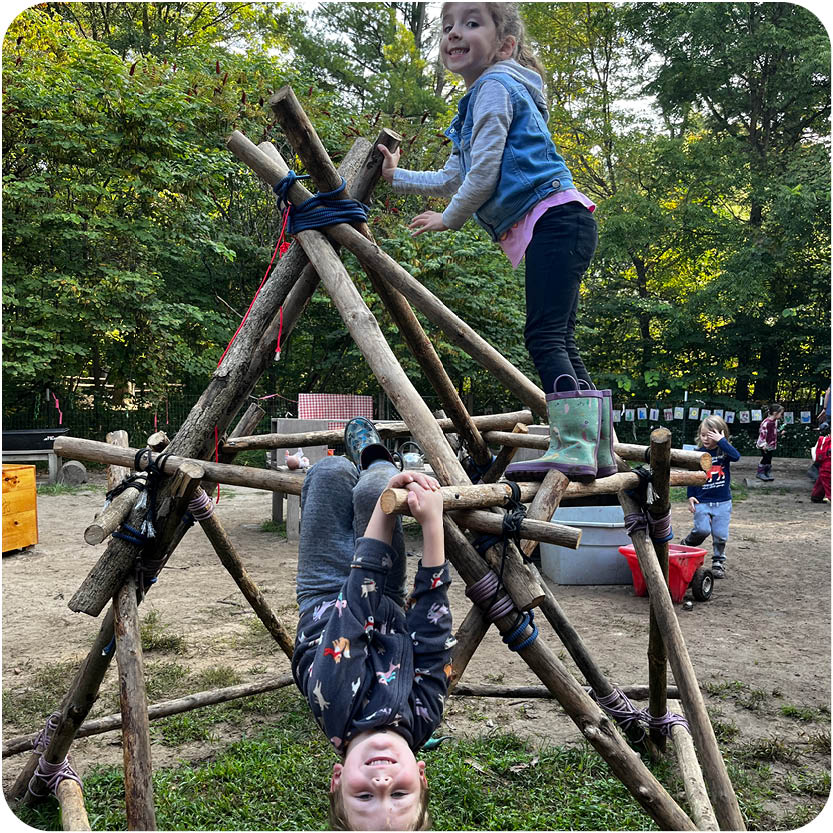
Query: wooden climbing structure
[[169, 492]]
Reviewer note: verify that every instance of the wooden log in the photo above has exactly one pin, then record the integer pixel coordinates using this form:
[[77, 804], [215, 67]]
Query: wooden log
[[75, 707], [73, 811], [660, 461], [702, 811], [503, 458], [482, 495], [376, 261], [158, 441], [368, 337], [539, 692], [303, 138], [274, 480], [622, 760], [469, 635], [544, 504], [115, 474], [166, 708], [688, 460], [230, 559], [360, 183], [109, 519], [714, 768], [246, 424], [387, 430], [550, 533], [479, 496], [138, 786]]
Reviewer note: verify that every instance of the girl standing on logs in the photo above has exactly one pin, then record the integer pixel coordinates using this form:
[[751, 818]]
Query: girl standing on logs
[[505, 171]]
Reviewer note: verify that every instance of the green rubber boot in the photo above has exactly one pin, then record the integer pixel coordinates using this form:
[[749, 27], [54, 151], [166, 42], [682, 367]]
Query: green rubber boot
[[575, 423], [604, 459]]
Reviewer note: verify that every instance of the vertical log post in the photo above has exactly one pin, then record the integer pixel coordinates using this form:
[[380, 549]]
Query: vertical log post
[[138, 786], [115, 474], [714, 768], [660, 462]]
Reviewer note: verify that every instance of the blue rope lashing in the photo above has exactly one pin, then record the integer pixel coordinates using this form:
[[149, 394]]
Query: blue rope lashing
[[526, 619], [131, 535], [322, 209]]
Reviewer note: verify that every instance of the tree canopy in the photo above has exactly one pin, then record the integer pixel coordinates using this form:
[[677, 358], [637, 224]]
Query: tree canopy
[[133, 241]]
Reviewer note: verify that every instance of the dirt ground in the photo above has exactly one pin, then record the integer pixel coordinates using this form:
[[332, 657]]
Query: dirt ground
[[763, 638]]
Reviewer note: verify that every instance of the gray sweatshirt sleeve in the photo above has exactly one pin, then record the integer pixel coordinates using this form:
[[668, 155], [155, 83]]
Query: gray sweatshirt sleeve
[[492, 116]]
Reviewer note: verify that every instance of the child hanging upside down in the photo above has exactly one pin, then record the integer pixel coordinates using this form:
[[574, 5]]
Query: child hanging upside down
[[372, 667]]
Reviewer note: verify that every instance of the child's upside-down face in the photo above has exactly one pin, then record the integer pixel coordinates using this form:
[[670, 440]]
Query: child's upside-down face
[[380, 781]]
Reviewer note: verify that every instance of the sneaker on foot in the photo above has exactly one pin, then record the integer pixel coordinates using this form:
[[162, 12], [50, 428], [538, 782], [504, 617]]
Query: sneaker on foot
[[718, 571], [362, 443]]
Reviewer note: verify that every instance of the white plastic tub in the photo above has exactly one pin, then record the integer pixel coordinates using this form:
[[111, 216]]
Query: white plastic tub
[[597, 560]]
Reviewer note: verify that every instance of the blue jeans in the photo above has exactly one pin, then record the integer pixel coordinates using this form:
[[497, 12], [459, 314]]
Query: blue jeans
[[336, 505], [711, 519], [562, 246]]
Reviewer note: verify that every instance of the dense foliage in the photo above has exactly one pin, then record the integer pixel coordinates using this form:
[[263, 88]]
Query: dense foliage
[[133, 241]]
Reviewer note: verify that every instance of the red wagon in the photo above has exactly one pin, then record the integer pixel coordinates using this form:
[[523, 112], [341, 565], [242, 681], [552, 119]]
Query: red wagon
[[685, 568]]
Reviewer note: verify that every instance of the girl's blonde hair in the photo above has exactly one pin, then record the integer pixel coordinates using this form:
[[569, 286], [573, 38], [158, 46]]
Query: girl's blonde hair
[[713, 423], [507, 20]]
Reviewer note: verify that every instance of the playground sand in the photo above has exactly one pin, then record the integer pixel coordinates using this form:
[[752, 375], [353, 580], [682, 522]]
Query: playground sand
[[760, 644]]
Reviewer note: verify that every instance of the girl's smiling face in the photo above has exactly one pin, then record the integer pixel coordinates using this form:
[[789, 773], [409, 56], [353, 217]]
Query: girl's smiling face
[[469, 41]]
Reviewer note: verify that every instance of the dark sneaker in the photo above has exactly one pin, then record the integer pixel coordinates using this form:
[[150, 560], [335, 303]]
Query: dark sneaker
[[362, 443], [718, 571]]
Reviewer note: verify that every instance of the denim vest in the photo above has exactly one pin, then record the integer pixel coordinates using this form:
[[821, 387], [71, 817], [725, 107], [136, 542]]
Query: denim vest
[[531, 168]]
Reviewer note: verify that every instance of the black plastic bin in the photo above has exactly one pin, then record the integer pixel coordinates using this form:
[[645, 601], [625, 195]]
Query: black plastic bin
[[31, 439]]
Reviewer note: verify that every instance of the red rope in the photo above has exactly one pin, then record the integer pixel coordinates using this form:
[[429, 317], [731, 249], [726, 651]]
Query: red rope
[[217, 455]]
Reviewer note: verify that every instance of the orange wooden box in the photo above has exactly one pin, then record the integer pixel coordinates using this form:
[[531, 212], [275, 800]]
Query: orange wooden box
[[20, 508]]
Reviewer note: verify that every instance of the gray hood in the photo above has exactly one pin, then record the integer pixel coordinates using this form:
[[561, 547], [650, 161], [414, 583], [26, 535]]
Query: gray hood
[[528, 77]]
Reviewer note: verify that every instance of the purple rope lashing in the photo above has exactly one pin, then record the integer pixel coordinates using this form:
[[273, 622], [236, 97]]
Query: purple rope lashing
[[658, 529], [620, 708], [201, 506], [50, 774], [483, 591], [617, 705]]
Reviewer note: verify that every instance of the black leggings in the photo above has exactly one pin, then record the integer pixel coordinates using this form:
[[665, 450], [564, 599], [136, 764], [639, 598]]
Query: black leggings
[[766, 457], [562, 246]]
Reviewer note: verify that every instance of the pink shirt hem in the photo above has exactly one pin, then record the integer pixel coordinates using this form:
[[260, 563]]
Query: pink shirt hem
[[515, 241]]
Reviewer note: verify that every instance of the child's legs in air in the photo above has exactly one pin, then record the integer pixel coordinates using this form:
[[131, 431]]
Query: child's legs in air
[[702, 526], [557, 257], [327, 543], [372, 482]]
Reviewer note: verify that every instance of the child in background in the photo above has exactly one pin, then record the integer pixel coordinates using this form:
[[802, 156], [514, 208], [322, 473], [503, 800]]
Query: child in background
[[768, 440], [505, 171], [374, 674], [821, 455], [711, 503]]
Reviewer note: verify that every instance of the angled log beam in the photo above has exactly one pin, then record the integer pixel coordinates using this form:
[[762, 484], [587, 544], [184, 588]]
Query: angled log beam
[[304, 139], [550, 533], [660, 461], [368, 337], [503, 458]]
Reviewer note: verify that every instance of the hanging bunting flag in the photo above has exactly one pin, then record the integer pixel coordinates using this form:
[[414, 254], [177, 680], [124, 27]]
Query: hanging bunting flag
[[679, 412], [757, 415], [729, 416], [692, 413]]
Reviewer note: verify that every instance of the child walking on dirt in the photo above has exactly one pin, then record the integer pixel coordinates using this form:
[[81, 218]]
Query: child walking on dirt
[[505, 171], [373, 671], [711, 503], [768, 440]]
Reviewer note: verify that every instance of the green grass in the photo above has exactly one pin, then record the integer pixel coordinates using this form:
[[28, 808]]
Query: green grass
[[803, 713], [271, 526], [64, 489], [157, 636], [30, 708]]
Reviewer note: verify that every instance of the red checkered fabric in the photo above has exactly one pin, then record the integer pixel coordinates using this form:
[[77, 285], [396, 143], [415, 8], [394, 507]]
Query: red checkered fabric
[[338, 408]]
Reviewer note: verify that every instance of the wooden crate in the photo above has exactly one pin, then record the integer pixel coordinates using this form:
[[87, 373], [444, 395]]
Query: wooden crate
[[20, 508]]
